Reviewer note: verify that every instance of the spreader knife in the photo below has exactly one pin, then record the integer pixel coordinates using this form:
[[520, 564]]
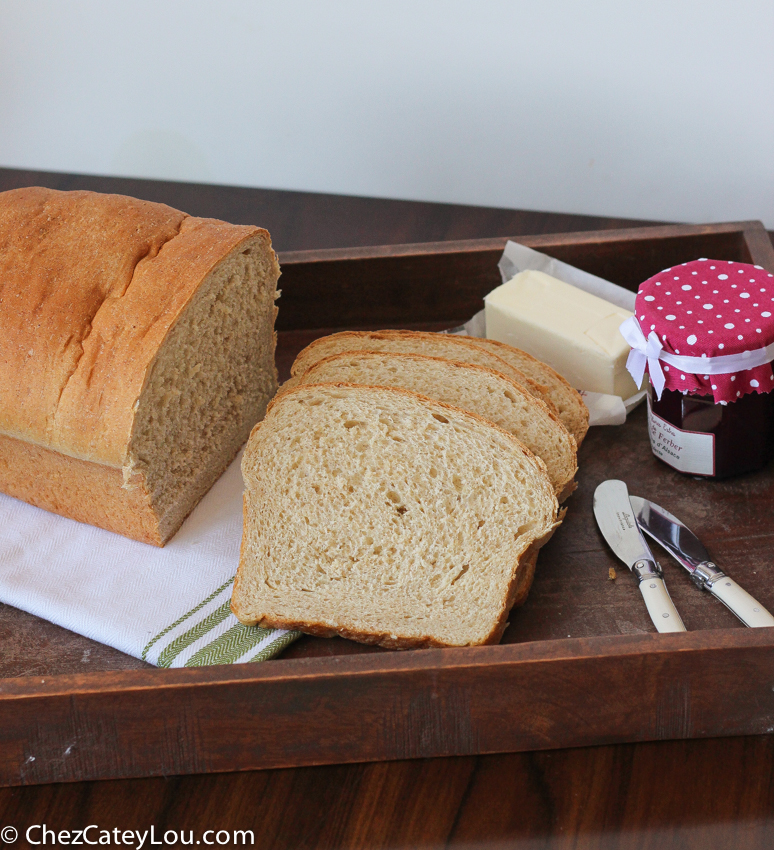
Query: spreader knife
[[615, 518], [686, 548]]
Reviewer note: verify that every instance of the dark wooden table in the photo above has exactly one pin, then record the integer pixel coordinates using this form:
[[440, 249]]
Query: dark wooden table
[[683, 794]]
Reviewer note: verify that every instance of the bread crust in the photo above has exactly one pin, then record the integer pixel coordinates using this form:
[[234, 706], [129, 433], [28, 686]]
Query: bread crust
[[87, 492], [521, 576]]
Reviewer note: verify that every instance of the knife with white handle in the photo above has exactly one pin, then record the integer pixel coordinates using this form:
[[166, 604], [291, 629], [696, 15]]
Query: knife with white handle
[[686, 548], [616, 520]]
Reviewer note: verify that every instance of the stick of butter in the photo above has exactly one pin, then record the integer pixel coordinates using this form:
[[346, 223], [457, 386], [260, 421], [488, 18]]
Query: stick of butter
[[573, 331]]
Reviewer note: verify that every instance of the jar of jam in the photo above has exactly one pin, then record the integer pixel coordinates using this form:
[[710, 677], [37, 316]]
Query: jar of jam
[[704, 331]]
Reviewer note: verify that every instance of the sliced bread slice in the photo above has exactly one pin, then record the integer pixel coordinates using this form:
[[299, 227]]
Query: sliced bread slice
[[411, 342], [382, 516], [567, 400], [474, 388]]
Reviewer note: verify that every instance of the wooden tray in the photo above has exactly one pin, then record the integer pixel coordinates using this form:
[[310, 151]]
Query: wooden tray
[[579, 664]]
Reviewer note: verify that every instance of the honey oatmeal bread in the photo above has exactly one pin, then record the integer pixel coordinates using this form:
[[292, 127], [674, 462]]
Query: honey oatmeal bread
[[567, 400], [410, 342], [136, 352], [474, 388], [379, 515]]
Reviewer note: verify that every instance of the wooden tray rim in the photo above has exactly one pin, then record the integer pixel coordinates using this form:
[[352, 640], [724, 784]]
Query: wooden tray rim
[[752, 228], [336, 665], [398, 661], [69, 703]]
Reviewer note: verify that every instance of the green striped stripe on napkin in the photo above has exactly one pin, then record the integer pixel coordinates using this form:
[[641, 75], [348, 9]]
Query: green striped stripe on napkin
[[210, 634]]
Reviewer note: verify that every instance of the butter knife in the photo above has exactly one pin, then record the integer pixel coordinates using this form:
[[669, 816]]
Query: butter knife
[[686, 548], [616, 520]]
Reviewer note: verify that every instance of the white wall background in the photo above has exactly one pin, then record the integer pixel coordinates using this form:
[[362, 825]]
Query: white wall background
[[655, 109]]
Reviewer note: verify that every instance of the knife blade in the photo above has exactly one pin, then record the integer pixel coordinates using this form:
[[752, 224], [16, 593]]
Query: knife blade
[[686, 548], [616, 520]]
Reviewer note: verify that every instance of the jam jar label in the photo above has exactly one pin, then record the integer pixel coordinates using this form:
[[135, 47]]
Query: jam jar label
[[687, 451]]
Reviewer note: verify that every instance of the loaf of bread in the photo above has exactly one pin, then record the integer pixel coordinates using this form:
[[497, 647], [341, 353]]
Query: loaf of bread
[[382, 516], [136, 353], [473, 388], [566, 399]]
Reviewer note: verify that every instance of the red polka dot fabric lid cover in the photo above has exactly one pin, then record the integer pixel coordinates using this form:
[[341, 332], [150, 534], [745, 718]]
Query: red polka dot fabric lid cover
[[712, 308]]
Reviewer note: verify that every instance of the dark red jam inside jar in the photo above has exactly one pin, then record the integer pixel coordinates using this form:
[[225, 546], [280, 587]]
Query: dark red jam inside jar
[[742, 431]]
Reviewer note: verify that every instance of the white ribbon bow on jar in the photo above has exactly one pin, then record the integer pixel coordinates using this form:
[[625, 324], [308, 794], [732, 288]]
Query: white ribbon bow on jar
[[643, 351], [649, 350]]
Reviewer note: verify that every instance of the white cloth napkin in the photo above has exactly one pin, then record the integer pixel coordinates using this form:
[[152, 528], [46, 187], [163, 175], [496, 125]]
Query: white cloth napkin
[[167, 606]]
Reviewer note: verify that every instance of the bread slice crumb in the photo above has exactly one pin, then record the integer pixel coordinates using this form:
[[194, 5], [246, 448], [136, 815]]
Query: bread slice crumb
[[379, 515]]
